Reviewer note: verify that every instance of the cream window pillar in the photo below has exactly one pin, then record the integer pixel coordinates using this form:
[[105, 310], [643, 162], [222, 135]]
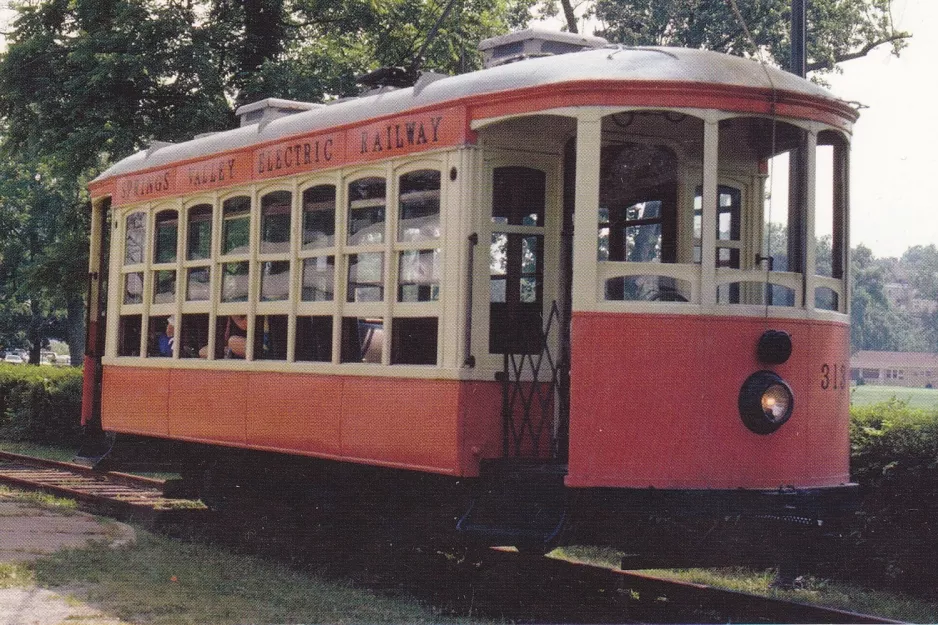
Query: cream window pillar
[[810, 254], [586, 207], [708, 221], [94, 265]]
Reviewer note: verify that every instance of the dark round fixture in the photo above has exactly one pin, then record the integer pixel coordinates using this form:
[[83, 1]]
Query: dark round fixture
[[774, 347], [765, 402]]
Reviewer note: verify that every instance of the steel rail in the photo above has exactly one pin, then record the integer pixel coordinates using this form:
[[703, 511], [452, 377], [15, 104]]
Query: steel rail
[[739, 606], [657, 599], [118, 493]]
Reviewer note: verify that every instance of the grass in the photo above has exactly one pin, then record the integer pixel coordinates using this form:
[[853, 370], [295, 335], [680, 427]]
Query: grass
[[758, 582], [40, 499], [926, 398], [36, 450], [16, 575], [65, 454], [160, 581]]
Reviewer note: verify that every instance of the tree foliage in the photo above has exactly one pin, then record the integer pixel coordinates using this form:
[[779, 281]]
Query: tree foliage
[[838, 30], [905, 321], [84, 83], [40, 256]]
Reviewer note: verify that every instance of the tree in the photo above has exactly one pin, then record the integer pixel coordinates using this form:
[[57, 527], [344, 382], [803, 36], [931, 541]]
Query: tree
[[875, 323], [921, 264], [40, 258], [84, 83], [838, 30]]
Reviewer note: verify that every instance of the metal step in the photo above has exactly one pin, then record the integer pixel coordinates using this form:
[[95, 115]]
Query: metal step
[[518, 503]]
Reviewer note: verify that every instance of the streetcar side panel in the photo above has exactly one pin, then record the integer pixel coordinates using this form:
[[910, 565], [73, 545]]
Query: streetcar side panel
[[656, 403]]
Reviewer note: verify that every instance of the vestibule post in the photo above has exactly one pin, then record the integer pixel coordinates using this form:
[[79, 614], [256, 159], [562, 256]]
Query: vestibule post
[[586, 202]]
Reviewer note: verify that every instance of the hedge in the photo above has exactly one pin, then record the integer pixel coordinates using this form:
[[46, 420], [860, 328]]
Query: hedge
[[893, 539], [40, 404]]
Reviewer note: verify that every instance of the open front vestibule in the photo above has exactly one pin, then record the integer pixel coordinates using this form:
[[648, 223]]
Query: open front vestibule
[[666, 212]]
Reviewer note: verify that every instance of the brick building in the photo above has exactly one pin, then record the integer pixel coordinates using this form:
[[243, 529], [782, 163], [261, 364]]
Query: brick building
[[914, 369]]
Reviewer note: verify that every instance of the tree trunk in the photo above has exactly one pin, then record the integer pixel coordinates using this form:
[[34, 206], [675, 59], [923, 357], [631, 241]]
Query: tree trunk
[[34, 333], [263, 40], [75, 323], [568, 14]]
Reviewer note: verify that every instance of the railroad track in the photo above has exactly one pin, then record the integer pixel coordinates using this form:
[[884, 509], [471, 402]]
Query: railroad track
[[113, 493], [663, 597], [572, 590], [635, 597]]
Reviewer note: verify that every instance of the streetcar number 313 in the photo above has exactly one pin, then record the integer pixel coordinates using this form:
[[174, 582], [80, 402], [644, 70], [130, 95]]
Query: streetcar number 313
[[833, 376]]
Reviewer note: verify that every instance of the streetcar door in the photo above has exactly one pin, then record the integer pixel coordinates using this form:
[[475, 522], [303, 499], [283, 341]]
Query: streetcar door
[[516, 304], [526, 298]]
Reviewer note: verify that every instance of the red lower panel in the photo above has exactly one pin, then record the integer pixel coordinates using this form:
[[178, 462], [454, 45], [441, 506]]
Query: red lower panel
[[442, 426], [654, 403], [405, 422], [208, 405], [135, 400]]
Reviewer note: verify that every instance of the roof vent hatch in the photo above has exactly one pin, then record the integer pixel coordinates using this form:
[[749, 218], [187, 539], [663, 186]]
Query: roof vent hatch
[[533, 42], [269, 109]]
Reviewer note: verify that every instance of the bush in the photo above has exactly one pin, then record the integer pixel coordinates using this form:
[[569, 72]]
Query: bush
[[895, 461], [40, 404]]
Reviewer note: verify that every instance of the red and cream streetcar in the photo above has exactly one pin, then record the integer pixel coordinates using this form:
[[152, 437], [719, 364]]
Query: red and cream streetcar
[[570, 264]]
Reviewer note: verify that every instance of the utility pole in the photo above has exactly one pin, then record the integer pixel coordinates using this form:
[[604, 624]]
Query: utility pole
[[798, 37]]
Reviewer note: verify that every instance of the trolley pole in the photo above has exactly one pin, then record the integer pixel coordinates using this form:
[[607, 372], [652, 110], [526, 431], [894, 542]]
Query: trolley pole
[[798, 39]]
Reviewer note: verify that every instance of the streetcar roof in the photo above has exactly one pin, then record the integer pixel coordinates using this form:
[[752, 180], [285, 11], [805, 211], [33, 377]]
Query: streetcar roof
[[611, 64]]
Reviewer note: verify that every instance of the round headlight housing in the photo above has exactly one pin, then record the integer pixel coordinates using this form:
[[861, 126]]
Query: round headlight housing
[[765, 402]]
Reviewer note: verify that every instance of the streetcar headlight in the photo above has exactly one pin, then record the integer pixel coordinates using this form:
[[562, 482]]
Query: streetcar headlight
[[765, 402]]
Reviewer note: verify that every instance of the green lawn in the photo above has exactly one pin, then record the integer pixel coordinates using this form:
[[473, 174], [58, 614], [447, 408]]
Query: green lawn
[[840, 595], [37, 450], [161, 581], [926, 398]]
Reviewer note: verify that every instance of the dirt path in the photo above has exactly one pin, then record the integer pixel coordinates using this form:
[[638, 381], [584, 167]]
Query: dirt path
[[29, 531]]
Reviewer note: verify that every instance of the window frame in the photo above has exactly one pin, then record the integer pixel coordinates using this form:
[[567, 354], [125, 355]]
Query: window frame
[[193, 313]]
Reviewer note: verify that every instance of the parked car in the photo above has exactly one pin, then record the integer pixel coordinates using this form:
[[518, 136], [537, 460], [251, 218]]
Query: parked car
[[13, 359]]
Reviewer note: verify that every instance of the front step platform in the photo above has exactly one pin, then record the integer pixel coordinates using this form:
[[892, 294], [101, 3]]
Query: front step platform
[[519, 502], [128, 453]]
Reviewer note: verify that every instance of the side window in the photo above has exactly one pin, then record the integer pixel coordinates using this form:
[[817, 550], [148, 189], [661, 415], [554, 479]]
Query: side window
[[235, 244], [414, 339], [314, 324], [318, 267], [366, 211], [363, 332], [274, 268], [366, 225], [830, 220], [135, 237], [199, 240], [319, 217], [198, 253], [275, 222], [275, 246], [419, 222], [166, 231], [638, 217], [130, 327], [236, 225], [728, 236]]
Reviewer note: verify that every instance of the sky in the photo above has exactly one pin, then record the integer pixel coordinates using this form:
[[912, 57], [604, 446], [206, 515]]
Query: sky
[[895, 144], [894, 152]]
